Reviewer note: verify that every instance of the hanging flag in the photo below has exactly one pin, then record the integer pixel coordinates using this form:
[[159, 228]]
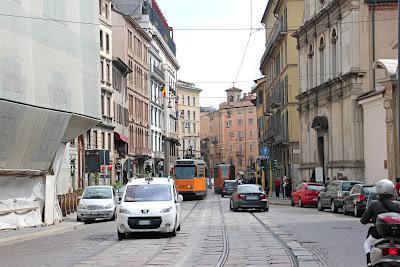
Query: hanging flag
[[164, 91]]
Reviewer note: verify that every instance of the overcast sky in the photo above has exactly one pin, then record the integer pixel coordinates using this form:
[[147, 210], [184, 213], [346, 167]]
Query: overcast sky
[[213, 55]]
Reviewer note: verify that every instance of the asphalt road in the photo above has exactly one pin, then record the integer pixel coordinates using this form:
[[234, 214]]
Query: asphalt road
[[335, 239]]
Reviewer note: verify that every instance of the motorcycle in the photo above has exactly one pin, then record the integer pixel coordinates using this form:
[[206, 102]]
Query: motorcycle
[[386, 251]]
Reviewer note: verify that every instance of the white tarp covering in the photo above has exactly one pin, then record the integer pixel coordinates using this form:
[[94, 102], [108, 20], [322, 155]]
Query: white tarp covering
[[22, 201]]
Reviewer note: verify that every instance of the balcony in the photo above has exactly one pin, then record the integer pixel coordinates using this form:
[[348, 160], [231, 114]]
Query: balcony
[[277, 34], [159, 72]]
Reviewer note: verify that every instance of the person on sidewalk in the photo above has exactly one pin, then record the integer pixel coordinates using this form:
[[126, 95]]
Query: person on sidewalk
[[277, 186], [284, 186], [289, 188]]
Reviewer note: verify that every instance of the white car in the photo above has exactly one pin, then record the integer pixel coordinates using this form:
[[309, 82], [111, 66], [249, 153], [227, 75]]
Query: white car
[[97, 202], [149, 205]]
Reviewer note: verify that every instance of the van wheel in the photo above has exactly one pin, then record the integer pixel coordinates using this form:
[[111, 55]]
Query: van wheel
[[179, 228], [173, 233], [114, 216], [78, 219]]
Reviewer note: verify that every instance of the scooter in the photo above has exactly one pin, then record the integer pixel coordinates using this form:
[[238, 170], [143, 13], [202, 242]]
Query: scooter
[[386, 251]]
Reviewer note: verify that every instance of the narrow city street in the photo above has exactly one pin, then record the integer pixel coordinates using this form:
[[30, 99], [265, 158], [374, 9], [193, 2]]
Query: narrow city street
[[211, 235]]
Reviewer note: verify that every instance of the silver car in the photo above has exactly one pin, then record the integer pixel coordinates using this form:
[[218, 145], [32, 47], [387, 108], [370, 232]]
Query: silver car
[[249, 196], [97, 202]]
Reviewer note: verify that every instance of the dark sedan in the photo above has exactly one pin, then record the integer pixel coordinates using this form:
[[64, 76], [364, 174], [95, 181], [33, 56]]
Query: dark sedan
[[249, 196], [358, 199], [229, 188]]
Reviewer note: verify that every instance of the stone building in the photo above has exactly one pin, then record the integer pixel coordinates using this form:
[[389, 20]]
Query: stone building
[[338, 44], [276, 94], [189, 119], [232, 133]]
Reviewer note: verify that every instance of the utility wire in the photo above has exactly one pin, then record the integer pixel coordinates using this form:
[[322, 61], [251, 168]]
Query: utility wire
[[289, 28]]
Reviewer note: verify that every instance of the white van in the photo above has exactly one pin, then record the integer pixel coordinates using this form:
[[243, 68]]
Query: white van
[[149, 205]]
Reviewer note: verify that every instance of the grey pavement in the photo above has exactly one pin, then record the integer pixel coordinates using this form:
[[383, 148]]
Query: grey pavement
[[68, 223], [278, 201]]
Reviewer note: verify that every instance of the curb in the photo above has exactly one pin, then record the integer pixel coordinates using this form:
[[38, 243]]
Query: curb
[[38, 234], [272, 202]]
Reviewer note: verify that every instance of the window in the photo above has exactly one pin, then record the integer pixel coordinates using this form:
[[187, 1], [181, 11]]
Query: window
[[334, 41], [106, 10], [96, 145], [194, 115], [188, 100], [240, 121], [183, 126], [108, 106], [129, 40], [108, 72], [322, 60], [194, 101], [310, 67], [107, 43], [194, 127], [251, 121], [102, 70], [188, 112], [101, 39], [88, 140], [251, 133], [251, 146], [102, 105], [183, 100], [109, 142], [100, 7]]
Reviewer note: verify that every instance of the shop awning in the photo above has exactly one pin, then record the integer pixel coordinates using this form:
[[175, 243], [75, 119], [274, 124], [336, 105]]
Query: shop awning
[[121, 137]]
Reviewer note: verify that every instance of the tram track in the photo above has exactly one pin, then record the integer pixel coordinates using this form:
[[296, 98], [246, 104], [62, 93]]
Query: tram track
[[225, 238], [293, 259], [168, 240]]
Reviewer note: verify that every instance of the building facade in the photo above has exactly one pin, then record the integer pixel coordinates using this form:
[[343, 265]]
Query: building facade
[[189, 120], [276, 94], [120, 71], [338, 43], [132, 45], [232, 133]]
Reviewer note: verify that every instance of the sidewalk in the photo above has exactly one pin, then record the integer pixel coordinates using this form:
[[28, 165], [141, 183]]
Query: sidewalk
[[278, 201], [68, 223]]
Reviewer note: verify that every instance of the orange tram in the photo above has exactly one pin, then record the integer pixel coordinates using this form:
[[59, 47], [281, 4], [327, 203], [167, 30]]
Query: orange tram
[[222, 172], [190, 178]]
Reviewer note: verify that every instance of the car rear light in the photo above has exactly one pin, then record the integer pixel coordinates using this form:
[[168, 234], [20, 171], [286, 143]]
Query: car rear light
[[240, 196], [263, 197], [361, 197], [390, 251]]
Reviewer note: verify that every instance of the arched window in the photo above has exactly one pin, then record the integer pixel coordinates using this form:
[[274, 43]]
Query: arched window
[[334, 53], [322, 60], [310, 73]]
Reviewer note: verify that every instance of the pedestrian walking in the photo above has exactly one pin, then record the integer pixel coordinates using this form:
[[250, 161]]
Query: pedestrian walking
[[284, 186], [398, 186], [277, 186], [289, 188]]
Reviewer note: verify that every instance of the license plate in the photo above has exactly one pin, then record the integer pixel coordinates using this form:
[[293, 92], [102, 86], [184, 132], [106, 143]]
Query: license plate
[[252, 197], [144, 222], [94, 213]]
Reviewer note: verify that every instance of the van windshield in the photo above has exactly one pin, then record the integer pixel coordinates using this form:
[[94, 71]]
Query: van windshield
[[148, 192]]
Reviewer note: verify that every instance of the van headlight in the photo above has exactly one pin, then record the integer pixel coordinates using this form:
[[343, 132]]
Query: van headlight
[[81, 206], [166, 210], [124, 210], [109, 206]]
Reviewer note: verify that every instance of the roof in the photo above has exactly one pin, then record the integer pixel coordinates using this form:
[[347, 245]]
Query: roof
[[154, 180]]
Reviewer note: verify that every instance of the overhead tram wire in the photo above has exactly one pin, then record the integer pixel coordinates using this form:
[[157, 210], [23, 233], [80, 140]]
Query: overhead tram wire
[[289, 28]]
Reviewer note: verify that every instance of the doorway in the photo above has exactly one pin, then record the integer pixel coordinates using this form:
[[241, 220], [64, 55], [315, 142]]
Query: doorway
[[321, 154]]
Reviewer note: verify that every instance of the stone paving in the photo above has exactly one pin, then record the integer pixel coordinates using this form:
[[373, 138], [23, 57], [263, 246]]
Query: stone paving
[[200, 242]]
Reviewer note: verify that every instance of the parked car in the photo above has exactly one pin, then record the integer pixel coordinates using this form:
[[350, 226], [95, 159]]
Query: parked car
[[228, 188], [97, 202], [334, 193], [149, 205], [306, 194], [358, 199], [248, 196]]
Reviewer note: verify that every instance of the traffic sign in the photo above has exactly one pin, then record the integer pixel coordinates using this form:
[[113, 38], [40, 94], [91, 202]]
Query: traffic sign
[[265, 152]]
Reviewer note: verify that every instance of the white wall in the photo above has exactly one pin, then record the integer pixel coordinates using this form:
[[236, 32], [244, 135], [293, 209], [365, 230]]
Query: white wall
[[375, 142]]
